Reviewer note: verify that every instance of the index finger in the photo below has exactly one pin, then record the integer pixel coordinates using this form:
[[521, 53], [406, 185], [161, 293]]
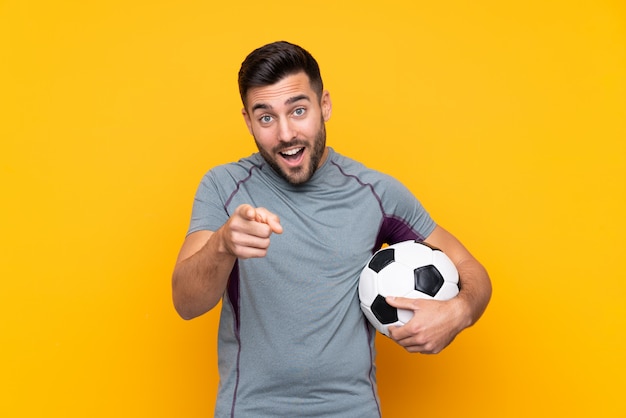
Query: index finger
[[265, 216]]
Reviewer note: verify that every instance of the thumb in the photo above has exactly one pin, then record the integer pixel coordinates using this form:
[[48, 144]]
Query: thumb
[[247, 212]]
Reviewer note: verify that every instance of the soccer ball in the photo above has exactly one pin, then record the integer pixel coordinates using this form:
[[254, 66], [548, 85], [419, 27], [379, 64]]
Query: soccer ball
[[408, 269]]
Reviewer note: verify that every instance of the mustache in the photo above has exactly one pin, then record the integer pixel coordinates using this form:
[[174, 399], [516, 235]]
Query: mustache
[[291, 144]]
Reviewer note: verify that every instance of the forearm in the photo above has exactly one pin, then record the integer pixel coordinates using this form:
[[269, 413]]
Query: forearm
[[474, 282], [207, 258], [199, 281], [474, 291]]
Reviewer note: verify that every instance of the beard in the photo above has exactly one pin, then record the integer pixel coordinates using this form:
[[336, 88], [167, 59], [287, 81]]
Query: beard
[[297, 175]]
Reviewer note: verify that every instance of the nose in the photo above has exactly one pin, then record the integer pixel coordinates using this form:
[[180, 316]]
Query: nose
[[286, 130]]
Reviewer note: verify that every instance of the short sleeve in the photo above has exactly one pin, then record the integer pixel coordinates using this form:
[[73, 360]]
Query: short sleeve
[[208, 211], [405, 217]]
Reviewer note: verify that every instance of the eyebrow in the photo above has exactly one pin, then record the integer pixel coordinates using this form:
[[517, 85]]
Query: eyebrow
[[289, 101]]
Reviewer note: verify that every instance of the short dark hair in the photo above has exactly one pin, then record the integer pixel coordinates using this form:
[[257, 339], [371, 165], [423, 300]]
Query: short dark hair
[[271, 63]]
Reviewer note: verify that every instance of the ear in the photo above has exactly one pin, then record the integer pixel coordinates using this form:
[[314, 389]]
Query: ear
[[327, 105], [247, 119]]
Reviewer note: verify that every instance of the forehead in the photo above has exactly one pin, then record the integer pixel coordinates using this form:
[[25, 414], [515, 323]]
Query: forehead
[[280, 93]]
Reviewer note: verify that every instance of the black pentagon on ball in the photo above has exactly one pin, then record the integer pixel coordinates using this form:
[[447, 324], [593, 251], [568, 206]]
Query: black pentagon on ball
[[385, 313], [382, 259], [428, 280]]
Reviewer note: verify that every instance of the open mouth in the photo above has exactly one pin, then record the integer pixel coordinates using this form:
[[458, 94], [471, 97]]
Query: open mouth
[[292, 155]]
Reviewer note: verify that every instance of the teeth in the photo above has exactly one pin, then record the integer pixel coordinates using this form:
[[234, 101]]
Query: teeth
[[291, 152]]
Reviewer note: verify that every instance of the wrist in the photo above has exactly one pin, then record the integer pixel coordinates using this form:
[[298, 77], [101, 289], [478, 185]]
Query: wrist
[[218, 245], [463, 312]]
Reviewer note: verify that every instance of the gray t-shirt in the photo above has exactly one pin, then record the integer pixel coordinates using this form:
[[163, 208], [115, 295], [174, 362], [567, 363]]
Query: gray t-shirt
[[292, 339]]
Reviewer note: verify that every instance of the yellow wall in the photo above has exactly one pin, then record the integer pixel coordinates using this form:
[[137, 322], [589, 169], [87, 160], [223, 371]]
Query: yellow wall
[[507, 119]]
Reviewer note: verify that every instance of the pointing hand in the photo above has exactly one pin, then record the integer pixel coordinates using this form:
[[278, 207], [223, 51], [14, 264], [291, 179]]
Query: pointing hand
[[247, 232]]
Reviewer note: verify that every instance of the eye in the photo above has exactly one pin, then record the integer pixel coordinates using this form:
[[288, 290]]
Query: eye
[[265, 119], [299, 111]]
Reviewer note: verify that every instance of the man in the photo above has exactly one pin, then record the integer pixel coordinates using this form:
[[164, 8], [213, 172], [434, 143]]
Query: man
[[281, 238]]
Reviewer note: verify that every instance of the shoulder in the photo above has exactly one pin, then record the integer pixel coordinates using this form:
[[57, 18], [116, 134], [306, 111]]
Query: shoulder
[[390, 191], [364, 174], [222, 180], [234, 171]]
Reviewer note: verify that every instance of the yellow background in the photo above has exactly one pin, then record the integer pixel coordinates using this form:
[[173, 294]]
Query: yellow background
[[507, 120]]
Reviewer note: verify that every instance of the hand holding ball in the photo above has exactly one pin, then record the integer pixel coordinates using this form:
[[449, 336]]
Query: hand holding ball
[[409, 269]]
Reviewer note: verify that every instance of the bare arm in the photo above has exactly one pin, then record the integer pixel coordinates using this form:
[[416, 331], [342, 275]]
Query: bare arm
[[435, 324], [475, 285], [206, 258], [201, 274]]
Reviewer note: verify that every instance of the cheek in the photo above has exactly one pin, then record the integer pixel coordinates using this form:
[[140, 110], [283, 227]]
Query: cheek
[[264, 136], [309, 129]]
